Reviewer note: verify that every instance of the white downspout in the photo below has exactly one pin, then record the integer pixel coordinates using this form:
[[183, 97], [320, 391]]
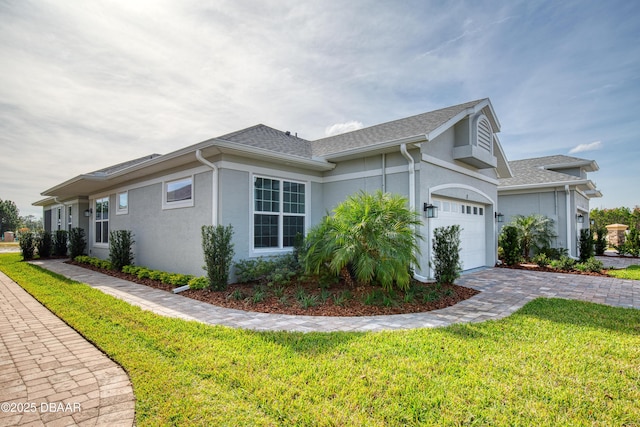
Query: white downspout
[[568, 203], [412, 174], [214, 185], [384, 173], [412, 181]]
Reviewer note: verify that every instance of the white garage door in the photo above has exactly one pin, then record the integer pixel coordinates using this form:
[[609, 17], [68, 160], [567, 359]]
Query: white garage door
[[471, 219]]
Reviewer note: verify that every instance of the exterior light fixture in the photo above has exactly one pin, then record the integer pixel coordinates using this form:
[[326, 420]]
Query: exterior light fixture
[[430, 211], [88, 212], [580, 218], [499, 217]]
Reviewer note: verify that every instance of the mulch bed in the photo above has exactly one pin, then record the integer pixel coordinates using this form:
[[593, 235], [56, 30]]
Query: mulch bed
[[354, 306]]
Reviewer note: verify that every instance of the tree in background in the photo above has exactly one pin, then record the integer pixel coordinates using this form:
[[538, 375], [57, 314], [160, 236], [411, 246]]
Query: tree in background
[[622, 215], [9, 216]]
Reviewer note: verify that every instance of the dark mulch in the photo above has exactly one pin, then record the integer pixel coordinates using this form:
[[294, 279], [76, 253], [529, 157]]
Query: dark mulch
[[241, 297]]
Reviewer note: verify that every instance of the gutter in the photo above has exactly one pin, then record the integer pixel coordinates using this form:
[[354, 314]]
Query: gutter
[[214, 185]]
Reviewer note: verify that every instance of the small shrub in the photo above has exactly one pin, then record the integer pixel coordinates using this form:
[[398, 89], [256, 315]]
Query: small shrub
[[198, 283], [60, 243], [45, 244], [308, 301], [447, 265], [77, 242], [586, 244], [120, 252], [632, 242], [237, 294], [272, 271], [178, 279], [593, 265], [601, 241], [27, 245], [541, 259], [341, 298], [324, 295], [431, 295], [143, 273], [259, 294], [218, 253], [554, 253], [510, 244], [565, 263], [131, 269]]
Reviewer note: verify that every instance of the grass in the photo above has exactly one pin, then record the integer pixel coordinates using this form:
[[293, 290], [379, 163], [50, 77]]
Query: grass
[[631, 272], [554, 362]]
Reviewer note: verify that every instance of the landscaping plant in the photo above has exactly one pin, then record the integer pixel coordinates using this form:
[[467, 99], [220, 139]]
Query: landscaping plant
[[371, 237], [535, 231], [77, 242], [44, 243], [218, 253], [510, 244], [60, 243], [601, 241], [120, 251], [446, 262], [27, 245], [586, 244]]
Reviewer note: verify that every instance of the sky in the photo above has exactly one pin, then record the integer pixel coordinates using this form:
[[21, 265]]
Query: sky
[[88, 84]]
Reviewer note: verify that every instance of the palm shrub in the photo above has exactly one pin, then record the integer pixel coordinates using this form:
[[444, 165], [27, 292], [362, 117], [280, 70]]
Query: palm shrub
[[371, 237], [218, 253], [534, 231], [27, 245], [77, 242], [601, 241], [446, 263], [586, 244], [510, 244], [44, 244], [60, 243], [120, 251]]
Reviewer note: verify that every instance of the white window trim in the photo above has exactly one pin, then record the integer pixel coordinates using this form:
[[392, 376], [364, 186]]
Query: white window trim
[[253, 251], [181, 203], [93, 221], [120, 211]]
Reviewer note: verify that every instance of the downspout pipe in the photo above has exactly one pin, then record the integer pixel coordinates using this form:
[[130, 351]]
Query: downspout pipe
[[214, 185], [412, 179], [412, 176], [568, 225]]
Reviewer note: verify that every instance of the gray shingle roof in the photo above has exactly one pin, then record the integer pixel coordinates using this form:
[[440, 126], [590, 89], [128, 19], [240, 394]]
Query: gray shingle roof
[[261, 136], [537, 170], [417, 125]]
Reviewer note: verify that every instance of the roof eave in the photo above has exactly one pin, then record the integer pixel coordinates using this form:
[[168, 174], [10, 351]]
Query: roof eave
[[385, 146]]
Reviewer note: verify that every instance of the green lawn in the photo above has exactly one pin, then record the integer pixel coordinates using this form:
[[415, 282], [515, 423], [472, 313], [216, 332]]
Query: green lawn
[[631, 272], [553, 362]]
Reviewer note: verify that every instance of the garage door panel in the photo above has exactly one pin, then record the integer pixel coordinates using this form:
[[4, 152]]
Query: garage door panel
[[472, 225]]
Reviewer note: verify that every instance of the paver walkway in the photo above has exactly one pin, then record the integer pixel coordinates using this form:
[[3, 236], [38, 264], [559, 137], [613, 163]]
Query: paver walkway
[[52, 376], [503, 291]]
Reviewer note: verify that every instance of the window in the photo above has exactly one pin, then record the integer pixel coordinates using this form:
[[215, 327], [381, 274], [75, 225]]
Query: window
[[123, 203], [102, 220], [178, 193], [59, 218], [69, 220], [278, 212]]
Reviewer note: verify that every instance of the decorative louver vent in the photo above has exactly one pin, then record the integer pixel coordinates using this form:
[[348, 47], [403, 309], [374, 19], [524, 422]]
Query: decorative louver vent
[[484, 134]]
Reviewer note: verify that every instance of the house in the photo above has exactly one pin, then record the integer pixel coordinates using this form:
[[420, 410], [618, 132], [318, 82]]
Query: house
[[554, 186], [270, 185]]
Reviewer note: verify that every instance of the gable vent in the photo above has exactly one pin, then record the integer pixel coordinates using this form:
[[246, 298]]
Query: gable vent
[[484, 134]]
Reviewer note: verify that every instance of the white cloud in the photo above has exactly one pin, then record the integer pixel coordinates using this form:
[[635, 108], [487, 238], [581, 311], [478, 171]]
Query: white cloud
[[339, 128], [596, 145]]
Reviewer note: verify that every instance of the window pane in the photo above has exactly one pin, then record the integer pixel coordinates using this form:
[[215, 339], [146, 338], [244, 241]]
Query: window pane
[[98, 233], [105, 231], [105, 209], [265, 231], [266, 195], [179, 190], [293, 194], [123, 201], [291, 225]]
